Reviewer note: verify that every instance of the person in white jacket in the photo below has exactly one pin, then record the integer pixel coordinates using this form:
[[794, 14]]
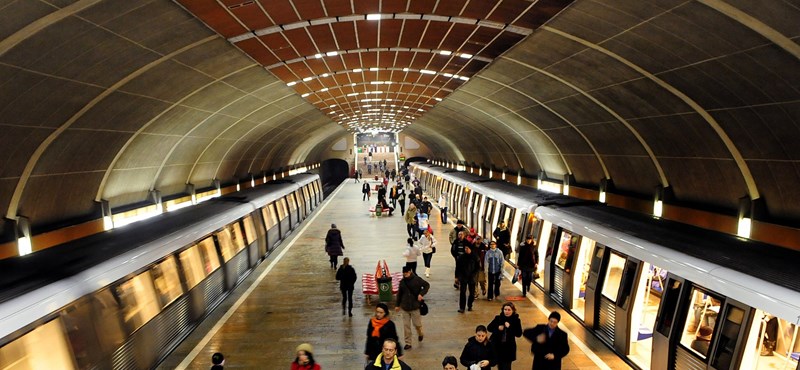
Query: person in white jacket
[[443, 207], [411, 254], [427, 244]]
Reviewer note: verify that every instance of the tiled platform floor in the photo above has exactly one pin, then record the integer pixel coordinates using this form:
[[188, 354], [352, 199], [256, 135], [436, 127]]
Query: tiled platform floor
[[298, 301]]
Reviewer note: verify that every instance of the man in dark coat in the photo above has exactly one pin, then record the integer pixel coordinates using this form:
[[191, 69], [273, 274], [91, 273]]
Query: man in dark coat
[[410, 293], [478, 350], [388, 358], [346, 275], [334, 245], [548, 344], [503, 237], [467, 266]]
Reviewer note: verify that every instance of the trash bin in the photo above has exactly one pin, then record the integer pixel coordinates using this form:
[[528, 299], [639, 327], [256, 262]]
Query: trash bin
[[385, 289], [378, 212]]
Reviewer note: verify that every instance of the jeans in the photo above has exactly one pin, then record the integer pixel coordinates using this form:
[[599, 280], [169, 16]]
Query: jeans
[[426, 257], [443, 213], [463, 299], [413, 266], [494, 284], [527, 278], [347, 298]]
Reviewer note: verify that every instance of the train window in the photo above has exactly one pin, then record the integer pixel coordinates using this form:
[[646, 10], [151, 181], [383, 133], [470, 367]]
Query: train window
[[43, 348], [249, 229], [701, 321], [292, 201], [138, 300], [270, 216], [192, 265], [166, 281], [772, 343], [281, 208], [566, 250], [611, 283], [230, 240], [670, 296], [628, 279], [728, 337]]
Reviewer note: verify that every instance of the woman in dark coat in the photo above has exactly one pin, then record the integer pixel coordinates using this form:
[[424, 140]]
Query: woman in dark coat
[[385, 329], [505, 328], [334, 245], [347, 280]]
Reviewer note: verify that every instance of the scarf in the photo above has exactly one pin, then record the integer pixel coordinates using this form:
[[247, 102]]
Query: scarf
[[377, 325]]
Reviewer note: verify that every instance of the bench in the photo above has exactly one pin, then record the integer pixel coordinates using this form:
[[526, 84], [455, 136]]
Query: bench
[[369, 285], [384, 212]]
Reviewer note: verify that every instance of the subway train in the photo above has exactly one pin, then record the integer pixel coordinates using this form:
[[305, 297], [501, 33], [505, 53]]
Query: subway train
[[661, 294], [125, 298]]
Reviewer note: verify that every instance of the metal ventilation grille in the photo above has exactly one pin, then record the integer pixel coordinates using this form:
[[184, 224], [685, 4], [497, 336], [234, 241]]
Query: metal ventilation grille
[[172, 323], [558, 286], [213, 288], [686, 361], [607, 320]]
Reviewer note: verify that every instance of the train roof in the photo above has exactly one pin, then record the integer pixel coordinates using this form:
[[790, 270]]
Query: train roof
[[743, 269]]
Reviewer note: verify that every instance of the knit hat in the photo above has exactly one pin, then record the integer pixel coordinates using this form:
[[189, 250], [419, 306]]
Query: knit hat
[[305, 347]]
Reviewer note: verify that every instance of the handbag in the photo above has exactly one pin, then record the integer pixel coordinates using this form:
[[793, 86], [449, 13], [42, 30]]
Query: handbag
[[423, 308], [433, 249], [516, 276]]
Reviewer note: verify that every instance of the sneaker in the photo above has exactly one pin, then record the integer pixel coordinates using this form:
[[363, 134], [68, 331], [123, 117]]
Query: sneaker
[[460, 311], [420, 338], [490, 299], [407, 347]]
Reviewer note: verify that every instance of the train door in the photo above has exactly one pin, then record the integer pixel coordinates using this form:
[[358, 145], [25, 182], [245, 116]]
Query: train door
[[479, 219], [662, 354], [496, 213], [647, 299], [515, 227], [464, 205], [566, 248], [488, 215], [545, 269], [771, 343], [270, 217], [469, 200], [476, 216], [597, 263], [456, 204], [614, 304], [696, 331], [580, 275]]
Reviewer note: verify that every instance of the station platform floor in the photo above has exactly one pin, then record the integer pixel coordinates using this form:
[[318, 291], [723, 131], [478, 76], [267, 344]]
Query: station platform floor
[[293, 298]]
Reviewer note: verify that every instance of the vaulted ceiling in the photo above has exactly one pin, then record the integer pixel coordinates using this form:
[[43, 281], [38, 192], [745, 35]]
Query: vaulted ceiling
[[110, 100]]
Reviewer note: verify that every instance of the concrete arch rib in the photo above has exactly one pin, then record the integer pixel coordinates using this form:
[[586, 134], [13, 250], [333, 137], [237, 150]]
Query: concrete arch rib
[[747, 176], [15, 39], [25, 176], [445, 128], [519, 162], [610, 111], [141, 130]]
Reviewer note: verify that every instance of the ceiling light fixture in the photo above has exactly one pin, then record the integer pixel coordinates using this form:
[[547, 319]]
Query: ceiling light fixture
[[307, 79], [427, 72], [318, 55], [445, 52], [304, 95], [332, 53], [357, 70], [466, 56], [373, 69], [292, 83], [373, 17]]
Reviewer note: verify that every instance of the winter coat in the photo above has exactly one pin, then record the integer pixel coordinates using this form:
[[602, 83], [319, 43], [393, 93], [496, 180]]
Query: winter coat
[[454, 233], [347, 277], [475, 352], [365, 188], [333, 243], [503, 239], [411, 253], [467, 266], [504, 341], [374, 345], [526, 259], [408, 291], [556, 344], [493, 261], [296, 366], [427, 245], [378, 364]]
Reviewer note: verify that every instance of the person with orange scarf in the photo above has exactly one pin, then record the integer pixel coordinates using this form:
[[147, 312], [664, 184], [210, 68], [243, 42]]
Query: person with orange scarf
[[378, 329]]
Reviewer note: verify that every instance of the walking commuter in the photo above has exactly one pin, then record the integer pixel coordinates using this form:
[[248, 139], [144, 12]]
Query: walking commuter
[[411, 221], [425, 206], [428, 244], [493, 261], [459, 227], [505, 328], [347, 277], [457, 249], [443, 207], [467, 266], [401, 198], [526, 262], [355, 176], [411, 292], [503, 238], [411, 253], [480, 249], [380, 328], [305, 358], [334, 245], [450, 363], [365, 191], [478, 351], [548, 343]]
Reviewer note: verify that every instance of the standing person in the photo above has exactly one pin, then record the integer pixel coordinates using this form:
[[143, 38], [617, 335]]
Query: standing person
[[548, 343], [493, 260], [467, 266], [360, 174], [480, 249], [457, 249], [411, 220], [443, 207], [347, 280], [388, 358], [334, 245], [365, 191], [217, 361], [478, 350], [411, 292], [393, 195], [401, 198], [428, 244], [505, 328], [380, 328], [355, 176], [426, 206], [503, 238], [305, 358], [526, 262], [411, 253]]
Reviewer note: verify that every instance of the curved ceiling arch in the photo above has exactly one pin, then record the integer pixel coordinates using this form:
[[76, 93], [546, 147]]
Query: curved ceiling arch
[[623, 121], [744, 169]]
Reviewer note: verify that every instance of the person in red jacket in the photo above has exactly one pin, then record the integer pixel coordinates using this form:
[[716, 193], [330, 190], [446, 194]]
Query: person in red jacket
[[305, 358]]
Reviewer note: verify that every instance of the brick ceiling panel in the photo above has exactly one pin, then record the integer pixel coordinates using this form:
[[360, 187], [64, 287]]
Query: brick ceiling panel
[[508, 11], [323, 37], [356, 77], [457, 37], [438, 62], [369, 60], [316, 66], [412, 33], [498, 46], [338, 7], [390, 33], [284, 73], [251, 16], [351, 61], [216, 17], [433, 35], [309, 9], [421, 6], [281, 11], [278, 44], [304, 45], [256, 49], [478, 9], [366, 7], [367, 34], [345, 33], [335, 64], [483, 37], [404, 58]]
